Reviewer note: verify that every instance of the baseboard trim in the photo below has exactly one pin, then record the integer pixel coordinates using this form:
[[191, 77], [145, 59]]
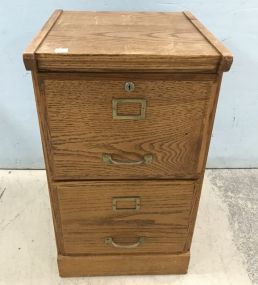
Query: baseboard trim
[[142, 264]]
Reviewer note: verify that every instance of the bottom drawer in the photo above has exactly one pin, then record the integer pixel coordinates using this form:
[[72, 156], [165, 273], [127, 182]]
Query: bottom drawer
[[100, 217]]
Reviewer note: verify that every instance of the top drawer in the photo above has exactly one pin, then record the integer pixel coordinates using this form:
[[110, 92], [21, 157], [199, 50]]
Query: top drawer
[[126, 126]]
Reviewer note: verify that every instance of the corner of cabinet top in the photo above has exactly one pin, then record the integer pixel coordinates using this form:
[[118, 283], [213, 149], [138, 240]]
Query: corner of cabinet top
[[131, 41], [29, 58]]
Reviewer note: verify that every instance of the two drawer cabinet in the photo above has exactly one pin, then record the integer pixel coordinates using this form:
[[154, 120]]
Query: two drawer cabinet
[[126, 103]]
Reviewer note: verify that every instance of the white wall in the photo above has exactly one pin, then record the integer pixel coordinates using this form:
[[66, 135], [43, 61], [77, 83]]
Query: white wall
[[235, 22]]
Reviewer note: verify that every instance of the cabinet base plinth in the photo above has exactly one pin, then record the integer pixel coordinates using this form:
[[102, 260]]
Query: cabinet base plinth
[[97, 265]]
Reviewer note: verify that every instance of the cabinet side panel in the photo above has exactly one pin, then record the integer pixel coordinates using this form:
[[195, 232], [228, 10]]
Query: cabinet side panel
[[208, 124], [46, 149], [202, 163]]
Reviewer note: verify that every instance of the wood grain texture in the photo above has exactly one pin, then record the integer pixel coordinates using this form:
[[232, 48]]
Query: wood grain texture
[[226, 55], [29, 53], [132, 63], [208, 126], [193, 213], [176, 66], [101, 41], [203, 158], [47, 151], [81, 127], [88, 218], [92, 265], [126, 33]]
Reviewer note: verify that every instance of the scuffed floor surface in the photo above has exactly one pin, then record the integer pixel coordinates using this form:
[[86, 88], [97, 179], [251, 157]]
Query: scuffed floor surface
[[224, 249]]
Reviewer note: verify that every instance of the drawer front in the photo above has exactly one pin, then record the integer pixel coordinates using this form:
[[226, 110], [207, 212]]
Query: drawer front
[[124, 217], [98, 130]]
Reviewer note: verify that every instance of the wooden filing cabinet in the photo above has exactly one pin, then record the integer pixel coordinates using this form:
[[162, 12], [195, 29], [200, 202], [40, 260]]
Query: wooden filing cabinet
[[126, 103]]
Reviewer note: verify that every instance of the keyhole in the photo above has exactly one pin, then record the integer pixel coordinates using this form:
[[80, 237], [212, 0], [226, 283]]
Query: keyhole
[[129, 86]]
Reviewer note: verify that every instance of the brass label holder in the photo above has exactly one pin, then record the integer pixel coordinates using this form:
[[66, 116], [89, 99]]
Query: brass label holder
[[140, 116], [136, 203]]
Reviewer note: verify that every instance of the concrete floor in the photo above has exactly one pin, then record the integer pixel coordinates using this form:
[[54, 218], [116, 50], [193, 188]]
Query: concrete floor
[[224, 249]]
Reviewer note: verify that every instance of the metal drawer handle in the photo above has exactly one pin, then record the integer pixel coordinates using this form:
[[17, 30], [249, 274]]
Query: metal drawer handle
[[110, 241], [107, 158]]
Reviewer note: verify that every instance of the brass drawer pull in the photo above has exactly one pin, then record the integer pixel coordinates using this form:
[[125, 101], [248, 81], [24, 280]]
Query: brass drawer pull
[[110, 241], [107, 158]]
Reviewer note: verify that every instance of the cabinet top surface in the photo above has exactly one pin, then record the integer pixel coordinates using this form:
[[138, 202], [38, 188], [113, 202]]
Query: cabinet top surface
[[126, 35]]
